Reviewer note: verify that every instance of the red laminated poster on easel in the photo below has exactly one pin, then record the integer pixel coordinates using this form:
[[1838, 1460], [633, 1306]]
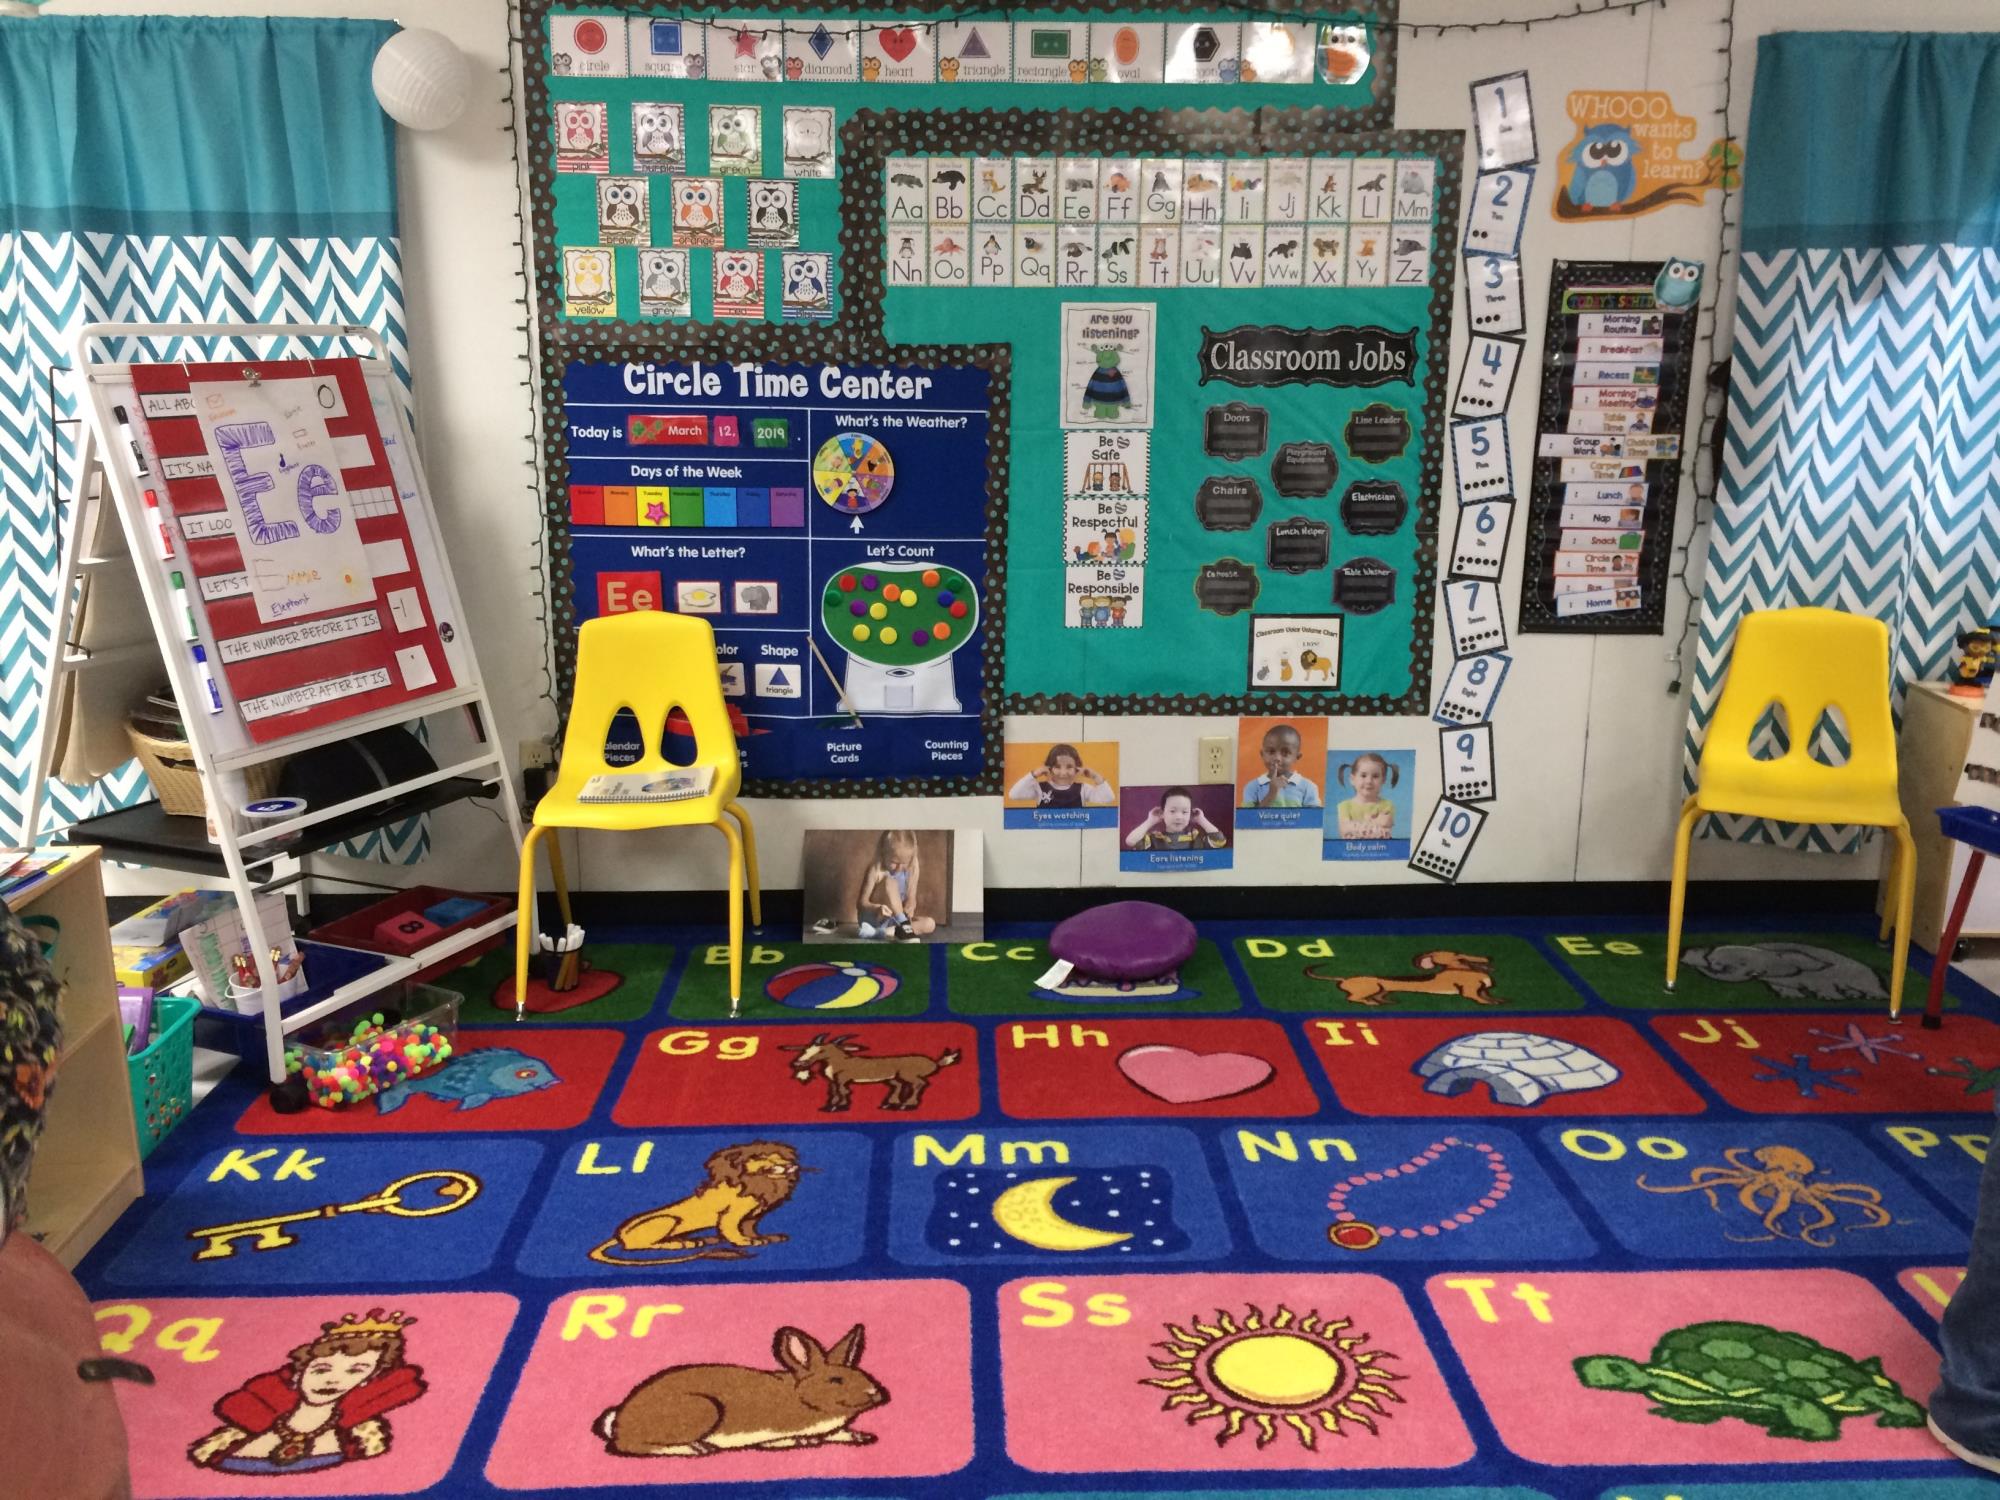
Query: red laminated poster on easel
[[287, 518]]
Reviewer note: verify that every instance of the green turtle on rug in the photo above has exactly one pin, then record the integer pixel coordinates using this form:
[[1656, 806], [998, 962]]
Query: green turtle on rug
[[1790, 1385]]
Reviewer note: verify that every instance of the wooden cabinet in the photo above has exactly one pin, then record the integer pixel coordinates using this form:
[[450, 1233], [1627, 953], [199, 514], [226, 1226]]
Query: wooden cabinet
[[86, 1168], [1930, 756]]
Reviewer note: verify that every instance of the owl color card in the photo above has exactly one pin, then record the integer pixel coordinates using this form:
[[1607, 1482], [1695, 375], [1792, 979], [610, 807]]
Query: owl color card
[[697, 212], [1608, 321], [739, 284]]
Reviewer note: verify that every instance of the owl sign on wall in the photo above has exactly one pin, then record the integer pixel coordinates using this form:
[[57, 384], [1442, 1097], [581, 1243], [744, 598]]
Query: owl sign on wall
[[1626, 158]]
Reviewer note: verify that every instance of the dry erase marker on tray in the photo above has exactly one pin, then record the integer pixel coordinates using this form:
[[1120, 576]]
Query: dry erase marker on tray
[[131, 441], [165, 537], [208, 680], [181, 603]]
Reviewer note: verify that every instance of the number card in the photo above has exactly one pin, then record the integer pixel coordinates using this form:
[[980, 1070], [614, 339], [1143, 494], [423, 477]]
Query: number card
[[1472, 608], [1493, 299], [1499, 204], [1486, 383], [1481, 464], [1470, 689], [1479, 549], [1447, 840], [1503, 119], [1467, 757]]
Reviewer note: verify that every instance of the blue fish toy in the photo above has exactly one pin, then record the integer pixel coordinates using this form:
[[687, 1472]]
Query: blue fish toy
[[472, 1079]]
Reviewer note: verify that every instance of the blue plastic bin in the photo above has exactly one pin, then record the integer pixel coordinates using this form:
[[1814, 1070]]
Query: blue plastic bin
[[327, 967]]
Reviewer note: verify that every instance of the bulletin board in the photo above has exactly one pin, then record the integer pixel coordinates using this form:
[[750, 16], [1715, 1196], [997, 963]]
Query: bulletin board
[[1208, 288]]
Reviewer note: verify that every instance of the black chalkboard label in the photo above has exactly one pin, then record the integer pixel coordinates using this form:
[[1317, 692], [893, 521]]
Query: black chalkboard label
[[1228, 502], [1377, 433], [1298, 544], [1304, 470], [1373, 507], [1227, 586], [1364, 585], [1234, 430]]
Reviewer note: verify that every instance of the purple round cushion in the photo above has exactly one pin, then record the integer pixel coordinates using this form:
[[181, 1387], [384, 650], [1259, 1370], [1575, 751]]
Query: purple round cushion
[[1124, 940]]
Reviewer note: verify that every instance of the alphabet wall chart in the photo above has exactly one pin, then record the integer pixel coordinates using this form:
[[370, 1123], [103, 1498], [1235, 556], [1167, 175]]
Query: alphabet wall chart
[[1112, 346]]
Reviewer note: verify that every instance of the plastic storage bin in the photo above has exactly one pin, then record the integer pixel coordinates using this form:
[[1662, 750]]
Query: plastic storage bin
[[163, 1074], [358, 930], [323, 1047], [327, 969]]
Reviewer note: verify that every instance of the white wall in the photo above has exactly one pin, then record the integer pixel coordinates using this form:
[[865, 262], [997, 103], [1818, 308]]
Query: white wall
[[1588, 736]]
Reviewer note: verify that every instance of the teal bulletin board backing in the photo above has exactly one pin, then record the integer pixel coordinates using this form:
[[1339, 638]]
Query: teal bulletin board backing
[[1181, 649]]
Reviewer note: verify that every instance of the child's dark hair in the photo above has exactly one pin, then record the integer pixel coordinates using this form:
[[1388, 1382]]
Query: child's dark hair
[[1176, 791], [1056, 752], [1285, 729]]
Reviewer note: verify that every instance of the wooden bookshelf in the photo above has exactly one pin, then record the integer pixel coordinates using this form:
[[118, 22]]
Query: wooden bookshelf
[[86, 1167]]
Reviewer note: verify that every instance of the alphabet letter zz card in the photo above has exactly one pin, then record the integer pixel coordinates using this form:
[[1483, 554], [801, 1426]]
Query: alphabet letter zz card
[[301, 535]]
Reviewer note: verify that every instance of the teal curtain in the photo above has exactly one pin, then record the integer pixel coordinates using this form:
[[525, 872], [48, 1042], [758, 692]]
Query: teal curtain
[[1861, 470], [158, 170]]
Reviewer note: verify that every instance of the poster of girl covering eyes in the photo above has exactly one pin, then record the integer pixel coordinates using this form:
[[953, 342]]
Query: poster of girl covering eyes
[[1370, 796]]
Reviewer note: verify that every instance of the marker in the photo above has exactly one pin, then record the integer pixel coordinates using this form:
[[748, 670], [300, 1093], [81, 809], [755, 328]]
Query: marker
[[181, 602], [152, 503], [208, 680], [131, 441]]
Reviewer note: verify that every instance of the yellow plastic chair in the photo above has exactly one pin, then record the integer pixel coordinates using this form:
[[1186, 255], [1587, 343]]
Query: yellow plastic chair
[[649, 662], [1808, 660]]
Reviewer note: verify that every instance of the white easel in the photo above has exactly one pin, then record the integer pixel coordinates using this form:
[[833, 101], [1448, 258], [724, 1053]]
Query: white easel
[[144, 835]]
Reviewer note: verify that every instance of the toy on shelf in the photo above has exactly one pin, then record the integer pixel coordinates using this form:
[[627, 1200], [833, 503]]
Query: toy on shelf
[[381, 1051], [1974, 668]]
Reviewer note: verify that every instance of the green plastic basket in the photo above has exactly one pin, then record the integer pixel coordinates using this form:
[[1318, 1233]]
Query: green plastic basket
[[163, 1074]]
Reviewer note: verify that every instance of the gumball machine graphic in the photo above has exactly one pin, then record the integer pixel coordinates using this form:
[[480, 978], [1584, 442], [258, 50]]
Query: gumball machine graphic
[[900, 627]]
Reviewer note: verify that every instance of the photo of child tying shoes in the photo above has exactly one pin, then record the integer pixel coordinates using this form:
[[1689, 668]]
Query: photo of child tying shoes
[[895, 886]]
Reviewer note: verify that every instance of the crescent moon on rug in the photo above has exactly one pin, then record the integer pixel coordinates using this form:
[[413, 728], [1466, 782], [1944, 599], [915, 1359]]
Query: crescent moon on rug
[[1027, 1211]]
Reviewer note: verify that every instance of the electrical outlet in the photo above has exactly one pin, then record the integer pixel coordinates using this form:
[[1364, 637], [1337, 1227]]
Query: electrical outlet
[[1212, 764], [537, 755]]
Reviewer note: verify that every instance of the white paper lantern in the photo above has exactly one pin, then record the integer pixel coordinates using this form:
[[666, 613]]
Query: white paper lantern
[[422, 79]]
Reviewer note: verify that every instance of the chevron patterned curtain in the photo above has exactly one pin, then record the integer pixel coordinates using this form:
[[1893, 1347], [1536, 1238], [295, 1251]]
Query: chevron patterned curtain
[[167, 170], [1861, 470]]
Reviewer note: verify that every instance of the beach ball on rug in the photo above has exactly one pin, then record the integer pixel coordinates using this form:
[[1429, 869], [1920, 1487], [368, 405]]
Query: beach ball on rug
[[832, 986]]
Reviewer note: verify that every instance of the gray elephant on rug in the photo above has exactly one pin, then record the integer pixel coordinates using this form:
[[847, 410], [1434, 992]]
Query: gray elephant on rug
[[1793, 971]]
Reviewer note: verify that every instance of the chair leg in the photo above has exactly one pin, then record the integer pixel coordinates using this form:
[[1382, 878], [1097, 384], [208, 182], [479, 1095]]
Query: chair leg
[[525, 921], [1677, 898], [561, 879], [1948, 940], [735, 913], [1906, 895], [1890, 877], [742, 818]]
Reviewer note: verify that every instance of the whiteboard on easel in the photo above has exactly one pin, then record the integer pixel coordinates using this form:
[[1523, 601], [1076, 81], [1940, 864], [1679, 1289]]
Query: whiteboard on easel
[[281, 529]]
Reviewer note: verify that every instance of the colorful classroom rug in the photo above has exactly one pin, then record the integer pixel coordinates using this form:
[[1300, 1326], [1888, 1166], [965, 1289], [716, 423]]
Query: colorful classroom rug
[[1404, 1211]]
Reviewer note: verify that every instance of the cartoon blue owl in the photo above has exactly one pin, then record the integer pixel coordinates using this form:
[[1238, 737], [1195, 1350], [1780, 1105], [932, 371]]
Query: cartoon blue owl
[[1678, 283], [1606, 170]]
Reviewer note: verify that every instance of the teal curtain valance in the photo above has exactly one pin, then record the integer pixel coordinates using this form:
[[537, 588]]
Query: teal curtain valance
[[1866, 140], [248, 127]]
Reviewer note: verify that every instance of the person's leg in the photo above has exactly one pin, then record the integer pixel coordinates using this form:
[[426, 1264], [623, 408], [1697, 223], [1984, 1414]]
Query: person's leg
[[1965, 1408]]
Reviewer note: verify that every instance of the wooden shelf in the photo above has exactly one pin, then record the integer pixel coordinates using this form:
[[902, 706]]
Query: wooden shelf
[[86, 1168]]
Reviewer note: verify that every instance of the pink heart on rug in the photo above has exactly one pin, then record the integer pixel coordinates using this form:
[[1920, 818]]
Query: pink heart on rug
[[1178, 1076], [898, 41]]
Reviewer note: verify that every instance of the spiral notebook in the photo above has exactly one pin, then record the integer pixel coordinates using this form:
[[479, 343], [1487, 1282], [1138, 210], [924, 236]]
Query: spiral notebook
[[648, 786]]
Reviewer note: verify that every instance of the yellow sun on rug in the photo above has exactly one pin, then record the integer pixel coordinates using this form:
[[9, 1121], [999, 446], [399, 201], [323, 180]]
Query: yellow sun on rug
[[1307, 1373]]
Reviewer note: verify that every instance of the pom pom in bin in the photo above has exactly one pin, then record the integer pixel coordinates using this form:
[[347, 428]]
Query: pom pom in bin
[[363, 1051], [1124, 941]]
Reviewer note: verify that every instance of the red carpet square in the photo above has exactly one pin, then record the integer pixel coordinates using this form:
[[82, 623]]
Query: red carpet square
[[1840, 1064], [1544, 1065], [887, 1071], [1077, 1070], [518, 1078]]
